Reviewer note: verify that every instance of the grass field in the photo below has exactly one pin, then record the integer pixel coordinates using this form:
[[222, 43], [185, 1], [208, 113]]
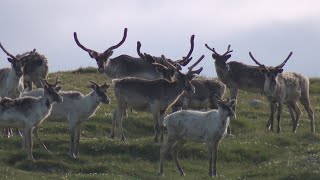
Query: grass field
[[254, 152]]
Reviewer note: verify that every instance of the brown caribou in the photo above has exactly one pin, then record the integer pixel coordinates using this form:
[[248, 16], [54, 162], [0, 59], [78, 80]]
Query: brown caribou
[[154, 96], [236, 75], [124, 65]]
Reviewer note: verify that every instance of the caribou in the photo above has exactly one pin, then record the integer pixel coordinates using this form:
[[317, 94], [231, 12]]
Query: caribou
[[204, 96], [236, 75], [127, 66], [154, 96], [35, 67], [286, 88], [29, 112], [11, 81]]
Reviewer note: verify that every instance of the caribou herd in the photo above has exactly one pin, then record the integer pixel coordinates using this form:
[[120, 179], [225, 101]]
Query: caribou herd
[[150, 84]]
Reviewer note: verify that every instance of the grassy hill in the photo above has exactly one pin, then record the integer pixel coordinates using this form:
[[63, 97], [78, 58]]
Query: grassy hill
[[254, 152]]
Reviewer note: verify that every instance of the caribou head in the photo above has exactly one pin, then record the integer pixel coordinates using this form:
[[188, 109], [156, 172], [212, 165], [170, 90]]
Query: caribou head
[[271, 72], [221, 60], [16, 63], [51, 90], [101, 91], [101, 58], [227, 105], [184, 80]]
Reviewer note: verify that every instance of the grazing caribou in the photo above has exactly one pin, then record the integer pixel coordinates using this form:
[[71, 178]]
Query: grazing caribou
[[154, 96], [124, 65], [286, 88]]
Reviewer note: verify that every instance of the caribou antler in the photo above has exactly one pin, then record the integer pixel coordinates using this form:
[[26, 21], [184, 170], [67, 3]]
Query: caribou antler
[[254, 60], [284, 62], [215, 95], [228, 51], [169, 65], [196, 63], [94, 83], [185, 60], [121, 42], [4, 50], [57, 81], [138, 50], [80, 45], [32, 52], [48, 84], [190, 71], [212, 49]]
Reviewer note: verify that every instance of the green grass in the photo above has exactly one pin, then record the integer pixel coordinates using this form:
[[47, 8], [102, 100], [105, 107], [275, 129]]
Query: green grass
[[254, 152]]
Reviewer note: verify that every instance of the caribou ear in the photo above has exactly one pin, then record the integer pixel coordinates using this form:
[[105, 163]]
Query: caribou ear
[[93, 54], [215, 56], [227, 57], [105, 85], [93, 87], [279, 70], [58, 88], [108, 53], [10, 60]]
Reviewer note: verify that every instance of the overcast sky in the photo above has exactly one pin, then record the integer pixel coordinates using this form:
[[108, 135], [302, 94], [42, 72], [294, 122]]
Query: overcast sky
[[269, 28]]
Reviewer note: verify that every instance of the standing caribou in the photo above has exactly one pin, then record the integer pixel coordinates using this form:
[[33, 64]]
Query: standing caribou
[[204, 96], [127, 66], [11, 80], [286, 88], [236, 75], [35, 67], [29, 112], [154, 96]]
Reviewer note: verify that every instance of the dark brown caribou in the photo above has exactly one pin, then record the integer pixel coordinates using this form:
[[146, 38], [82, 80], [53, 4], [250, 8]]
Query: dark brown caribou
[[124, 65]]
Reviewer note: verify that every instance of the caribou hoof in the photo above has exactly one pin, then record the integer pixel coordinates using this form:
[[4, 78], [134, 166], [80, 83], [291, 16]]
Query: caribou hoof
[[72, 156], [160, 174], [124, 140], [111, 136]]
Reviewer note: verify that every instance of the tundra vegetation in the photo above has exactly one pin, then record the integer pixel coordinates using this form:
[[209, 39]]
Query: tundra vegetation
[[254, 153]]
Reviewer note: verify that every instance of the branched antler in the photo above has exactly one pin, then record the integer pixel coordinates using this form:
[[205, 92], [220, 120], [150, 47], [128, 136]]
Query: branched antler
[[185, 60]]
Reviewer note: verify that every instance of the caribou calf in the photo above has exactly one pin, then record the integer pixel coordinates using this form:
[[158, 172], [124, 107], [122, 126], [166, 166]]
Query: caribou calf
[[29, 112], [154, 96], [76, 108], [286, 88], [209, 127]]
